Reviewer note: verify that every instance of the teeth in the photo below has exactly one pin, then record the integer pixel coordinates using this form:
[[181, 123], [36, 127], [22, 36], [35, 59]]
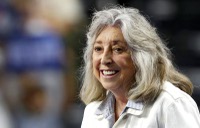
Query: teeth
[[109, 72]]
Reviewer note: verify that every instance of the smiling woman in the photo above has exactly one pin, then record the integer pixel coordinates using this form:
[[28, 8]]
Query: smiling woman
[[112, 63], [129, 79]]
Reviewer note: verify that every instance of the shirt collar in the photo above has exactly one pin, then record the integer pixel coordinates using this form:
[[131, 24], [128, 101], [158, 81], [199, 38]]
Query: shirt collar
[[106, 108], [138, 105]]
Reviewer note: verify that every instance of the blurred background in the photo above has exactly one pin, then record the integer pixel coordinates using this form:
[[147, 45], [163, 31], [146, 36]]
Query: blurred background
[[41, 44]]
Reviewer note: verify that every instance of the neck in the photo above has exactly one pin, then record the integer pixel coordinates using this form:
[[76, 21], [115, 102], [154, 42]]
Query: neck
[[120, 104]]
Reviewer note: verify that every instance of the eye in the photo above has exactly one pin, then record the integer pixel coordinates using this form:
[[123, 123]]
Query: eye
[[97, 48], [118, 50]]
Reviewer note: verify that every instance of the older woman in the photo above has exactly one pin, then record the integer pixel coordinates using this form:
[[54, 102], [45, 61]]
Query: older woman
[[128, 77]]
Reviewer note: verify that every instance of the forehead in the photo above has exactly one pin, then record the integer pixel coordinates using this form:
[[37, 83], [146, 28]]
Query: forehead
[[110, 34]]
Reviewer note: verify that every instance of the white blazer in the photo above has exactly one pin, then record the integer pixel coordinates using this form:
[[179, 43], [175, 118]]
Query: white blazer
[[172, 109]]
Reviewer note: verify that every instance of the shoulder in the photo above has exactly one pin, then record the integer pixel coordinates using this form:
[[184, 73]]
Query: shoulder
[[172, 100], [172, 97], [175, 106], [89, 114], [91, 108], [93, 105], [172, 94]]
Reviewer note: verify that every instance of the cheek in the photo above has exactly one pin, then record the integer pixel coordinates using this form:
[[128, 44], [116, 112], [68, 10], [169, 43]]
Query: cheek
[[95, 65], [132, 69], [126, 64]]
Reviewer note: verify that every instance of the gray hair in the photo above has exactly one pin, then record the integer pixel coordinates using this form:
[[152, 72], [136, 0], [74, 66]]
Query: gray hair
[[149, 54]]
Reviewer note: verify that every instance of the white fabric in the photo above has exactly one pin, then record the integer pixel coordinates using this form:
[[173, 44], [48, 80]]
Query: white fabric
[[172, 109]]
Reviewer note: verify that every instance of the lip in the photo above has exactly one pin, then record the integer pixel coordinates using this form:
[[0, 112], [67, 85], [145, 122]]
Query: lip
[[110, 73]]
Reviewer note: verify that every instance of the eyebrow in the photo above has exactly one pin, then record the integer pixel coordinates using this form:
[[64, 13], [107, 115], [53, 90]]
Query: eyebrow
[[98, 42], [114, 42]]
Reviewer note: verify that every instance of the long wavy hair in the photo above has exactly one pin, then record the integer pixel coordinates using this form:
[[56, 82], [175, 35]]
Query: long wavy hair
[[149, 53]]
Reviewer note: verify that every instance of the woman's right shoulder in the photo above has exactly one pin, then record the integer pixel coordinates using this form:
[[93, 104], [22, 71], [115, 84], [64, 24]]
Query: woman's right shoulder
[[89, 114], [93, 106]]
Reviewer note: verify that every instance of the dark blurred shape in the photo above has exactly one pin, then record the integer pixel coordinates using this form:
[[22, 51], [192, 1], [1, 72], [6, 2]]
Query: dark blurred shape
[[31, 113], [162, 9], [34, 61]]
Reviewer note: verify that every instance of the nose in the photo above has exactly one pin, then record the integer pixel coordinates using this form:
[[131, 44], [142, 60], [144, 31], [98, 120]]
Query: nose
[[106, 58]]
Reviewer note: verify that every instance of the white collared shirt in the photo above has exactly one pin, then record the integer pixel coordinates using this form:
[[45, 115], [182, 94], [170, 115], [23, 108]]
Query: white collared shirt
[[172, 109]]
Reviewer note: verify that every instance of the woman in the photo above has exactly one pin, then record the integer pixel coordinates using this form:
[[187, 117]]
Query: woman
[[128, 77]]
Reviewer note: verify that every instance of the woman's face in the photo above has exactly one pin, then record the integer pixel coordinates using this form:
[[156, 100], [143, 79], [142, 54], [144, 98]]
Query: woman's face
[[112, 63]]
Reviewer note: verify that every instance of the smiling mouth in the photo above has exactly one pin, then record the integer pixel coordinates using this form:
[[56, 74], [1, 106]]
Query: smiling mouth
[[109, 72]]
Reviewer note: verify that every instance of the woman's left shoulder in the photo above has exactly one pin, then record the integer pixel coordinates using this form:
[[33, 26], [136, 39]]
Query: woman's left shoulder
[[175, 106], [172, 95]]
